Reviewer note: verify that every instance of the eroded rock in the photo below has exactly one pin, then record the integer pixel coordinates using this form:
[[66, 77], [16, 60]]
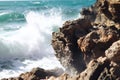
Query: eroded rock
[[113, 53], [87, 38], [65, 45], [94, 44]]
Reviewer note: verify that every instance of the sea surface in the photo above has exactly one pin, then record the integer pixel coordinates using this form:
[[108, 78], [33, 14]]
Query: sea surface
[[25, 32]]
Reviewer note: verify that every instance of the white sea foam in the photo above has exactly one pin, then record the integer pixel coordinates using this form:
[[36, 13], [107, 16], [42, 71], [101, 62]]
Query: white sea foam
[[3, 13], [33, 38], [30, 46], [27, 65], [36, 2]]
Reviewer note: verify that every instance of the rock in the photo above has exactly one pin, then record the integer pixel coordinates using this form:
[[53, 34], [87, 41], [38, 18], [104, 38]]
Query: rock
[[89, 13], [114, 10], [97, 69], [87, 38], [17, 78], [38, 74], [113, 53], [94, 44], [35, 74], [115, 71], [104, 12], [65, 45], [93, 71], [65, 77]]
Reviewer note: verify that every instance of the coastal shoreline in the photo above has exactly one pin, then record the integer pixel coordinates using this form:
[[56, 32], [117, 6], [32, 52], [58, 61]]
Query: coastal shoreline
[[88, 48]]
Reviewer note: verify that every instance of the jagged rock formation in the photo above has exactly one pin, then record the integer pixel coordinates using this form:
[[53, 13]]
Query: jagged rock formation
[[87, 40], [65, 45], [98, 69], [94, 44]]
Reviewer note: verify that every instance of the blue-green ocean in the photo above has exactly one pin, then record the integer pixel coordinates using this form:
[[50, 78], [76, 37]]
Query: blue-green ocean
[[25, 32]]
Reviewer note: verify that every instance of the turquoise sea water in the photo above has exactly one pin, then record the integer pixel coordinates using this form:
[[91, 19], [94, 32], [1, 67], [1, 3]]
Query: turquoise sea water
[[25, 32]]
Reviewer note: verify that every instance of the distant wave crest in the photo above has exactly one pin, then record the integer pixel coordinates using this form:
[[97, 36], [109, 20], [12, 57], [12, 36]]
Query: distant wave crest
[[11, 17]]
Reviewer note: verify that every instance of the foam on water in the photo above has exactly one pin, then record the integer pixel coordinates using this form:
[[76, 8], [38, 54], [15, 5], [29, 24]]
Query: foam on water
[[32, 38], [9, 16], [29, 46], [27, 65]]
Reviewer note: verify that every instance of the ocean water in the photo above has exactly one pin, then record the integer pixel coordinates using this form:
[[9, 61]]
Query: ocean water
[[25, 32]]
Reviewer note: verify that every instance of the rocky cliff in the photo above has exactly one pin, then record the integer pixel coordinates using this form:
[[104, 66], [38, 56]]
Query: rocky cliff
[[89, 47]]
